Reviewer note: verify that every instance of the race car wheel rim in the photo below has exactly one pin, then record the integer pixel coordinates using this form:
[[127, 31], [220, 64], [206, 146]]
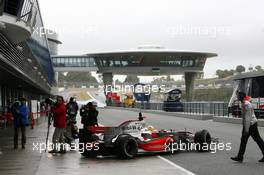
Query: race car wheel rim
[[130, 148]]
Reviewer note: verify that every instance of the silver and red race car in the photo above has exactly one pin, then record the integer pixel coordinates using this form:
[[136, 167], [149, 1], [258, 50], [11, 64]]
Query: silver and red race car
[[134, 137]]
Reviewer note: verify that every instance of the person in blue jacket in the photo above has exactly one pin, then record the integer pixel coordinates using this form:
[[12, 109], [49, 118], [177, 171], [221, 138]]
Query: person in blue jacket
[[20, 112]]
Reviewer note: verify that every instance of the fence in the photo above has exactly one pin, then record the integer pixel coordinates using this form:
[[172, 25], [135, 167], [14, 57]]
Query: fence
[[215, 108]]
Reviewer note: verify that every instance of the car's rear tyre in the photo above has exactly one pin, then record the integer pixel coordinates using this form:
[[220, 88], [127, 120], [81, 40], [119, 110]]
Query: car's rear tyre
[[126, 146], [88, 138], [202, 139]]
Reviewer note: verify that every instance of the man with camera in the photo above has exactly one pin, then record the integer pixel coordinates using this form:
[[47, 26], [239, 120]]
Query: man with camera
[[89, 114], [59, 116]]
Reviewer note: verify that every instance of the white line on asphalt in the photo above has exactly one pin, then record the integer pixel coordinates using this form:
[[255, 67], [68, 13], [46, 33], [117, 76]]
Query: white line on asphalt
[[176, 166]]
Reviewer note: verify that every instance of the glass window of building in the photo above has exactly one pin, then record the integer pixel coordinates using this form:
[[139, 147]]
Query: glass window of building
[[111, 63], [92, 62], [200, 62], [87, 62], [170, 60], [82, 62], [74, 61], [124, 63], [78, 62], [188, 63], [117, 63], [66, 62], [70, 61], [61, 61], [54, 60]]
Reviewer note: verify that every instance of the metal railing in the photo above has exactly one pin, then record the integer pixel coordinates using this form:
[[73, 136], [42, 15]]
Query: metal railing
[[200, 108], [24, 10], [12, 56], [2, 5]]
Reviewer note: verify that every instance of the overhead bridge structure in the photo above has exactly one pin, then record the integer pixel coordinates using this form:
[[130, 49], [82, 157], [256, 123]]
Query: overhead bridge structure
[[73, 63], [137, 62]]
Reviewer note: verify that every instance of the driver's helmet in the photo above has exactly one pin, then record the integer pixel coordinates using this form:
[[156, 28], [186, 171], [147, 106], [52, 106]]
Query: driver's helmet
[[149, 130]]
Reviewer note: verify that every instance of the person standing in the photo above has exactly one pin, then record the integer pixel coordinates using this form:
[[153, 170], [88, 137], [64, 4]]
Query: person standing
[[72, 109], [89, 114], [250, 127], [20, 112], [59, 115], [71, 129]]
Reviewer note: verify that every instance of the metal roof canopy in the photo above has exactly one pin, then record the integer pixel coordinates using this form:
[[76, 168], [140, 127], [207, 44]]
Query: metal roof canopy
[[150, 59], [142, 61], [153, 52], [249, 75]]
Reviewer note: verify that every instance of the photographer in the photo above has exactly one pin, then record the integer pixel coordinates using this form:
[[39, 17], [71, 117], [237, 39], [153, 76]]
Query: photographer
[[59, 116], [89, 114]]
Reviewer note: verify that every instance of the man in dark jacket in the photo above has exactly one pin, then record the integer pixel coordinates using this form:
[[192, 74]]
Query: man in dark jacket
[[72, 109], [59, 115], [20, 112], [71, 131], [89, 115], [250, 127]]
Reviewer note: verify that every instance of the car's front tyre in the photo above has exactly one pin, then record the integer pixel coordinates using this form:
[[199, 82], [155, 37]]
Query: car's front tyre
[[126, 146], [202, 139]]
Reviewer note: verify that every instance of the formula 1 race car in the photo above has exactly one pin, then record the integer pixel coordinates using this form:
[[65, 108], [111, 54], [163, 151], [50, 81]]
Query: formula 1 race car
[[134, 137]]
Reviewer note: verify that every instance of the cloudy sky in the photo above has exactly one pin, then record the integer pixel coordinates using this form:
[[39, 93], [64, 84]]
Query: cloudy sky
[[234, 29]]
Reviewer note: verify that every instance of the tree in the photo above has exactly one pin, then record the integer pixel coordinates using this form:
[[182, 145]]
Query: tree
[[76, 79], [161, 80], [168, 79], [100, 77], [258, 68], [250, 69], [219, 73], [131, 79], [118, 81], [200, 75], [61, 79], [240, 69], [224, 73], [84, 77]]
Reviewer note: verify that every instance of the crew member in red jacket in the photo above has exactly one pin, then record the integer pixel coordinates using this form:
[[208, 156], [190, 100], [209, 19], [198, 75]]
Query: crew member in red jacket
[[59, 115]]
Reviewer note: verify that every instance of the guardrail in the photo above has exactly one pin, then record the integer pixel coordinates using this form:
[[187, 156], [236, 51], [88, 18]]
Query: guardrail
[[215, 108], [200, 108]]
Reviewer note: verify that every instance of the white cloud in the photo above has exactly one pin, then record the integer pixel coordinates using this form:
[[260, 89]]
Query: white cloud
[[99, 25]]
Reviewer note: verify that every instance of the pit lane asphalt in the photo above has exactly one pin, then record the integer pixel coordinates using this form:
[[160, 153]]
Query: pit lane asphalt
[[31, 162], [218, 163]]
